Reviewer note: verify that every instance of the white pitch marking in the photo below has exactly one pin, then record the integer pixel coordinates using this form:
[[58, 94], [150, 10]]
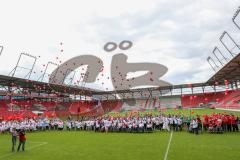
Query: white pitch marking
[[42, 143], [36, 142], [169, 143]]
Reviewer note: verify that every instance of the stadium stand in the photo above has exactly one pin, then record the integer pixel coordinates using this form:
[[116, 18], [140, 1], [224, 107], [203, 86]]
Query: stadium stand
[[193, 101], [25, 108], [230, 101]]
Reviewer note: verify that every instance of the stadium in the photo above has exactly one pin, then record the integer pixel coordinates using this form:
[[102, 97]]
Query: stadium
[[114, 105]]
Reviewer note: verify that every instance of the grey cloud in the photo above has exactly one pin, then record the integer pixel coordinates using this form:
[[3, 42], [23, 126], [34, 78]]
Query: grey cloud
[[194, 34]]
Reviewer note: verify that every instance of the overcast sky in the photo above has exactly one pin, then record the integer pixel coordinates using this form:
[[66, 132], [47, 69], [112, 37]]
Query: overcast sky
[[179, 34]]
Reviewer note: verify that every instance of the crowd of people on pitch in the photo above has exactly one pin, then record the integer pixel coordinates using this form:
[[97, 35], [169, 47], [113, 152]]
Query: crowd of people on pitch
[[215, 123], [219, 123], [30, 124]]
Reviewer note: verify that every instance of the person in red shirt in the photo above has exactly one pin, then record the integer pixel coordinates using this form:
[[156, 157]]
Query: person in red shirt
[[224, 122], [229, 125], [206, 122], [22, 140], [210, 127], [234, 123], [219, 125]]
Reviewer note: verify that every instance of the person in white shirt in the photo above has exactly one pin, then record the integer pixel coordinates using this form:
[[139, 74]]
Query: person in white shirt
[[195, 126], [60, 125], [175, 124], [179, 123], [149, 126], [166, 124], [97, 125], [69, 125], [106, 125], [78, 125], [14, 138], [141, 126]]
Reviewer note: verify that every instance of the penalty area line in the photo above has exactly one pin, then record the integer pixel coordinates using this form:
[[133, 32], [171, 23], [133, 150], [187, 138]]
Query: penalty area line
[[30, 148], [169, 143]]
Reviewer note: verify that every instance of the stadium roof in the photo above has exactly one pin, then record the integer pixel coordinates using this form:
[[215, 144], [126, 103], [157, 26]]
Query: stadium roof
[[42, 87], [36, 86], [230, 72]]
